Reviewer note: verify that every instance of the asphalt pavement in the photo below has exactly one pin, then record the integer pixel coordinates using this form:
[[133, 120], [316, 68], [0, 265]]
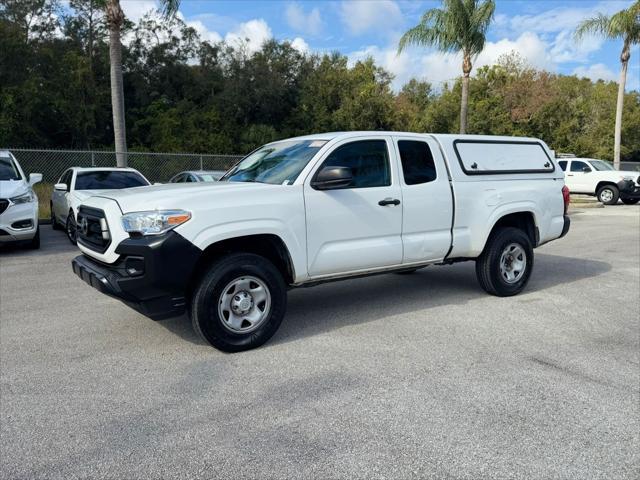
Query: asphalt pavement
[[392, 376]]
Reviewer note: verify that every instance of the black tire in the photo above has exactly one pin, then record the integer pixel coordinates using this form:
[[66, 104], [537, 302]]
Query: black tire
[[208, 293], [34, 243], [488, 263], [71, 228], [54, 222], [608, 195], [630, 201]]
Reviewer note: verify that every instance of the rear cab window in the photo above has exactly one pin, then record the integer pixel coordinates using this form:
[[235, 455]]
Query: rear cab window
[[417, 162], [491, 157]]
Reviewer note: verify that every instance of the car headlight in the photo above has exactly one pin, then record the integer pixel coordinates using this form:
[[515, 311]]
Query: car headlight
[[24, 198], [154, 222]]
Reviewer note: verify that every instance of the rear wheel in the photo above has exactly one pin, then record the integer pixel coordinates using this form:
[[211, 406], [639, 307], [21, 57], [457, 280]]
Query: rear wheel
[[504, 267], [608, 194], [34, 243], [54, 222], [630, 201], [71, 228], [239, 302]]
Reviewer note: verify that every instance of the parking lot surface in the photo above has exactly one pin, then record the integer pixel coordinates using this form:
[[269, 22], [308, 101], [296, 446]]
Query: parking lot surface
[[393, 376]]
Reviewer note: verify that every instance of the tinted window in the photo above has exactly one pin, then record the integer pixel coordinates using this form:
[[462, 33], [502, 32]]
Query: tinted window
[[578, 166], [368, 161], [178, 178], [563, 164], [417, 162], [191, 179], [107, 180], [8, 170]]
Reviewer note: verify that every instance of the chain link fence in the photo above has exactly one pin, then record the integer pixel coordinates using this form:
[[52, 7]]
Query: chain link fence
[[157, 167]]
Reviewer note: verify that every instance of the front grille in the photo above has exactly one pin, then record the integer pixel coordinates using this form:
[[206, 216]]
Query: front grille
[[4, 203], [93, 229]]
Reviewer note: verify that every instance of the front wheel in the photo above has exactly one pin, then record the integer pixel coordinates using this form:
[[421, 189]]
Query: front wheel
[[239, 302], [71, 228], [504, 267], [608, 194], [34, 243], [630, 201], [54, 222]]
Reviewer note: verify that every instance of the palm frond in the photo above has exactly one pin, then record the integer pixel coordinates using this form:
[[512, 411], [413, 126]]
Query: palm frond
[[170, 7]]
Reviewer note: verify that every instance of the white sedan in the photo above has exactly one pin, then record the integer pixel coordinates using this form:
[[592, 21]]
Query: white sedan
[[76, 184]]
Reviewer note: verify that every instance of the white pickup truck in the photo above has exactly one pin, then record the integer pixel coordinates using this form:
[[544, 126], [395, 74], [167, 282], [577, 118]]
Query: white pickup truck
[[318, 208]]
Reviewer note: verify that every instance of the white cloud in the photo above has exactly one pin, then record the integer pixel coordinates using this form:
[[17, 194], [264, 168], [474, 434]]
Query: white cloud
[[302, 22], [360, 17], [299, 44], [205, 34], [134, 10], [252, 33], [597, 71]]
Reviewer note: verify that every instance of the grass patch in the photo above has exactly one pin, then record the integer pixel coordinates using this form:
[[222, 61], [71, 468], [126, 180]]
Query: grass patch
[[44, 190]]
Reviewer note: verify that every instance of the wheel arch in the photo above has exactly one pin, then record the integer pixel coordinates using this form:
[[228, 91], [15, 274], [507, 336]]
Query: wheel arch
[[603, 183], [267, 245], [524, 220]]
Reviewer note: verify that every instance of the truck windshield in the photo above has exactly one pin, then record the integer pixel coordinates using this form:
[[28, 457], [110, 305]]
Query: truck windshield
[[601, 166], [109, 180], [8, 170], [276, 163]]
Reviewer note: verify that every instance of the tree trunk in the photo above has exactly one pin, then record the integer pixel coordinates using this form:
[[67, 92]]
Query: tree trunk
[[464, 100], [115, 17], [624, 59], [464, 104]]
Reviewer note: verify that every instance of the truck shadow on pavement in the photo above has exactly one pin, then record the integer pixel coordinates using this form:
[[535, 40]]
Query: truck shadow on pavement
[[321, 309]]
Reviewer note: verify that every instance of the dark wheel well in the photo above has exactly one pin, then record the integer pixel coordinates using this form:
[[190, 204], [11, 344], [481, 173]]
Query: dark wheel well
[[524, 221], [605, 183], [268, 246]]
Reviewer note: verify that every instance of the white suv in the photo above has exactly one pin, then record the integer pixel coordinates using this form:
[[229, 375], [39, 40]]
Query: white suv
[[597, 177], [77, 184], [18, 203]]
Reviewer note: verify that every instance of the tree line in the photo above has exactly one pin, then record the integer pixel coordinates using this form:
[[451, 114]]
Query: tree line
[[183, 93]]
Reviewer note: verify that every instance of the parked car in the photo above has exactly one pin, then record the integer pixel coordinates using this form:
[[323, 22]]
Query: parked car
[[77, 184], [194, 176], [318, 208], [596, 177], [18, 203]]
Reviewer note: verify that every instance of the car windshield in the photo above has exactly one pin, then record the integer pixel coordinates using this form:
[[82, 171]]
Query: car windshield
[[276, 163], [8, 169], [109, 180], [601, 166]]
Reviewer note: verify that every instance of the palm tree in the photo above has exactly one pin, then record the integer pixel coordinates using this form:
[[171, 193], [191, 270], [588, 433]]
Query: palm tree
[[624, 25], [115, 19], [459, 26]]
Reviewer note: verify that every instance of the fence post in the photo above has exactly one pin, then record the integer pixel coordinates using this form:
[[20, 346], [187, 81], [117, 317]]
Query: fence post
[[201, 163], [93, 159]]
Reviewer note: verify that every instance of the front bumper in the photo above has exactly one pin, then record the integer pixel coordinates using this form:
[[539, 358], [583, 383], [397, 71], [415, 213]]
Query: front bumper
[[151, 275], [628, 189], [13, 217]]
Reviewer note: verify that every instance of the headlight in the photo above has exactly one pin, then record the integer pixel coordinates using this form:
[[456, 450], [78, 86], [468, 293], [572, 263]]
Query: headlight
[[155, 222], [24, 198]]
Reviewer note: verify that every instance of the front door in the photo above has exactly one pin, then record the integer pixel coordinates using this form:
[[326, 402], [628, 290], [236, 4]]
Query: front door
[[358, 227], [577, 179]]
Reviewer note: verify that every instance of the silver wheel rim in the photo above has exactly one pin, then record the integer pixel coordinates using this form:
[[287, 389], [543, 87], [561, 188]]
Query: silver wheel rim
[[513, 263], [606, 195], [244, 304]]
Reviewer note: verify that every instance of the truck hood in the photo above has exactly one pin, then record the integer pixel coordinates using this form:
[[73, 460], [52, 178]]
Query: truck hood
[[180, 195], [12, 188]]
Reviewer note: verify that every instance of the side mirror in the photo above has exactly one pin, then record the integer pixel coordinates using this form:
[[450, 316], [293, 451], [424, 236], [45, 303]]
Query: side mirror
[[60, 187], [332, 178], [35, 178], [586, 170]]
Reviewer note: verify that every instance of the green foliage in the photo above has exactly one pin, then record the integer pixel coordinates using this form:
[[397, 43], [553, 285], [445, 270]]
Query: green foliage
[[185, 94]]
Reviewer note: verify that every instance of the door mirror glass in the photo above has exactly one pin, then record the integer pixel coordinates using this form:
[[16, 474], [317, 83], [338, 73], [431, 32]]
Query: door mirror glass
[[333, 178], [35, 178], [60, 187], [586, 169]]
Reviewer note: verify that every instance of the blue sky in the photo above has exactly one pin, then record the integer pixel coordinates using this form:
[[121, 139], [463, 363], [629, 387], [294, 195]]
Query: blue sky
[[541, 31]]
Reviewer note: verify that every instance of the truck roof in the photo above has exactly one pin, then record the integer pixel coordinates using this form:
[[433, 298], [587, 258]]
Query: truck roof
[[448, 136]]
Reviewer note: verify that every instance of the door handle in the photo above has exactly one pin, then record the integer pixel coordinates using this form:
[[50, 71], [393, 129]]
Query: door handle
[[389, 201], [569, 174]]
